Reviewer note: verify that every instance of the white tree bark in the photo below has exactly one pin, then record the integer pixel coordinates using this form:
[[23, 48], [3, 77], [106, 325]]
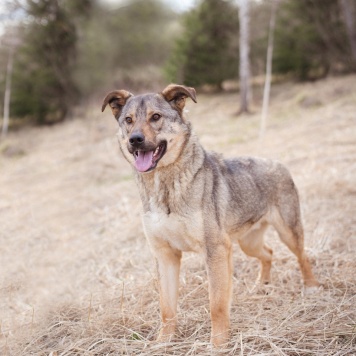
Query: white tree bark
[[7, 96], [348, 8], [267, 87], [245, 88]]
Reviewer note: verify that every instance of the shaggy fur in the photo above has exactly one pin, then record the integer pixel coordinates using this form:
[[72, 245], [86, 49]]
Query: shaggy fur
[[194, 200]]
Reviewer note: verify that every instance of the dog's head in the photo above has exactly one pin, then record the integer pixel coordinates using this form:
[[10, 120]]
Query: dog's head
[[152, 129]]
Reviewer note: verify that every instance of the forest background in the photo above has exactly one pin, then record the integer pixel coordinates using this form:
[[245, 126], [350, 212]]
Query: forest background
[[66, 52], [76, 274]]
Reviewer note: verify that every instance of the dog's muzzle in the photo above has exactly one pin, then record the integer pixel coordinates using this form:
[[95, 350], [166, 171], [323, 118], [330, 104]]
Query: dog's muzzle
[[146, 159]]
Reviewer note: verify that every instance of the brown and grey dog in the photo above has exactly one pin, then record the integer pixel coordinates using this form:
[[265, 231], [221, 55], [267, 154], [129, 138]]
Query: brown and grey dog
[[194, 200]]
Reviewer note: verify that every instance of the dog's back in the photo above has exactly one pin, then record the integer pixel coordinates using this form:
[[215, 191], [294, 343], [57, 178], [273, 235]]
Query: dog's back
[[246, 189]]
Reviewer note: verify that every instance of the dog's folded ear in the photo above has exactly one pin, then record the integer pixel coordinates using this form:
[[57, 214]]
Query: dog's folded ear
[[116, 100], [176, 94]]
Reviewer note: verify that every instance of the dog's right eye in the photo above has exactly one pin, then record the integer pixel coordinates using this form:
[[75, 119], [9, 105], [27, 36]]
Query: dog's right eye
[[128, 120]]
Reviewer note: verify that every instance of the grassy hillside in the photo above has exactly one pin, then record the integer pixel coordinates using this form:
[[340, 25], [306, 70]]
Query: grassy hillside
[[77, 277]]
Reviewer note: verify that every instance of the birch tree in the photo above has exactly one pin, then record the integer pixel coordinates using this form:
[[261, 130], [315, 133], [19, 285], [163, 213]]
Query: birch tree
[[349, 9], [245, 88], [267, 87], [10, 42], [7, 96]]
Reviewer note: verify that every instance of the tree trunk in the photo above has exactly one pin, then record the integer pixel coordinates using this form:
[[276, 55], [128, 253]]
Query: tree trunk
[[267, 87], [7, 96], [245, 89], [348, 8]]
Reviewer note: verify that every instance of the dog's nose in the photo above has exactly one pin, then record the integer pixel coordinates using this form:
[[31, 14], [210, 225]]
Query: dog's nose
[[137, 139]]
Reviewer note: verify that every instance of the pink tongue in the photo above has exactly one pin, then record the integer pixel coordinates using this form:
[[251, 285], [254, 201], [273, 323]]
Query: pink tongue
[[144, 161]]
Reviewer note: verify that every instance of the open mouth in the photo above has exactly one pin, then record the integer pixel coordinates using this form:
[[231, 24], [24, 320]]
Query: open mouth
[[147, 160]]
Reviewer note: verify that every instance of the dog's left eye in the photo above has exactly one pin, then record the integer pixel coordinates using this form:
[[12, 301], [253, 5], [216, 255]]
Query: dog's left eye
[[156, 117]]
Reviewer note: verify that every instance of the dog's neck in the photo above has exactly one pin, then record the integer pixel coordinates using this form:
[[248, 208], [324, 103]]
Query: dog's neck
[[166, 189]]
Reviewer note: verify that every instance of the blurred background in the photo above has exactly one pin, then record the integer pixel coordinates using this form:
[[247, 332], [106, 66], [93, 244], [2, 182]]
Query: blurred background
[[64, 52], [77, 276]]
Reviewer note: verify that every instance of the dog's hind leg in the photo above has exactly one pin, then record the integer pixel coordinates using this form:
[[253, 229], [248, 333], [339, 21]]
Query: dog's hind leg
[[253, 245], [168, 265], [290, 230]]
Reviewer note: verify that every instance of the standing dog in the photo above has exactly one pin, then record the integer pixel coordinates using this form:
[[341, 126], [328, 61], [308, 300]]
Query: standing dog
[[194, 200]]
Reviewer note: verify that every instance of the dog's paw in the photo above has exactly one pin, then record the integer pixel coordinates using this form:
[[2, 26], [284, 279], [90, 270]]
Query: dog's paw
[[165, 336], [219, 337], [312, 290], [261, 287]]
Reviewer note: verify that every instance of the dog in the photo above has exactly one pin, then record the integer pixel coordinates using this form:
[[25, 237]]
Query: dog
[[194, 200]]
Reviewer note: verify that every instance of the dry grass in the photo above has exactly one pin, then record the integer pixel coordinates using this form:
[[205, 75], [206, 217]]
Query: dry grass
[[77, 277]]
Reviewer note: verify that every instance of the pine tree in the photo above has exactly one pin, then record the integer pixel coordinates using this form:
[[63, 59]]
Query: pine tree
[[206, 53], [311, 39], [43, 83]]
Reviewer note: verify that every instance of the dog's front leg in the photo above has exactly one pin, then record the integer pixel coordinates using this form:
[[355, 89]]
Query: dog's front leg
[[168, 265], [219, 267]]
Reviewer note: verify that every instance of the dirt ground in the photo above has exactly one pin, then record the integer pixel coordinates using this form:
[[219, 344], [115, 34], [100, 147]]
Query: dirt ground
[[77, 277]]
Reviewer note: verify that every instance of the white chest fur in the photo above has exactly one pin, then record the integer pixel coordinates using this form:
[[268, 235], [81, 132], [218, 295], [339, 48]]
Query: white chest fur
[[182, 232]]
